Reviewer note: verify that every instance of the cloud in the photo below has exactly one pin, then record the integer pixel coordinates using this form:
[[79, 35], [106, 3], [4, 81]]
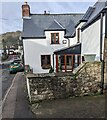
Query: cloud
[[60, 7], [11, 19], [50, 0]]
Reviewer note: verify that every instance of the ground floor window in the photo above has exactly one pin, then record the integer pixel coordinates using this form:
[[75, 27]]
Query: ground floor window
[[68, 62], [77, 60], [45, 61]]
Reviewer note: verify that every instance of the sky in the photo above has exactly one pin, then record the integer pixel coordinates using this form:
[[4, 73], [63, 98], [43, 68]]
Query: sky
[[10, 12]]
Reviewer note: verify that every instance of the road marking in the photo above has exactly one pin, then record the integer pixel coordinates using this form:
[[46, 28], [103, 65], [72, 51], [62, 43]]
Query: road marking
[[3, 101]]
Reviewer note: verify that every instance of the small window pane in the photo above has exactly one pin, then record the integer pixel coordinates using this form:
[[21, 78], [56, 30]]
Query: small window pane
[[52, 38], [62, 60], [76, 59], [57, 38]]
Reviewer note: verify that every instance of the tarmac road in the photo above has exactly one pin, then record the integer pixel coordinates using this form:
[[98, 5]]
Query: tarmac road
[[6, 80], [16, 104]]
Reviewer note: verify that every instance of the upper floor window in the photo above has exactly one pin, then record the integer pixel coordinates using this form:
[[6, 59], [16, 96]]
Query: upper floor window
[[78, 35], [54, 38]]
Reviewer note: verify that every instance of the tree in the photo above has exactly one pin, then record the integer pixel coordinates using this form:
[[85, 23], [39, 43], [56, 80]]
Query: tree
[[4, 46]]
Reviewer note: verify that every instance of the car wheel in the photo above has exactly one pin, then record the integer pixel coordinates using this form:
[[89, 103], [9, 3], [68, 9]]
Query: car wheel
[[10, 72]]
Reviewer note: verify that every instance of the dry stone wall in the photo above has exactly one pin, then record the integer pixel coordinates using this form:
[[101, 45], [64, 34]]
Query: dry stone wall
[[85, 80]]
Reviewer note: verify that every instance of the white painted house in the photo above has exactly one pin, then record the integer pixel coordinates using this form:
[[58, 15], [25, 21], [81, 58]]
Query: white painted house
[[94, 30], [49, 41]]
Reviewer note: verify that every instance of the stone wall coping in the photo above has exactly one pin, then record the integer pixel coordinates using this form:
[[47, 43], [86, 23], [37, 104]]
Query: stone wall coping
[[76, 70], [79, 68], [32, 75]]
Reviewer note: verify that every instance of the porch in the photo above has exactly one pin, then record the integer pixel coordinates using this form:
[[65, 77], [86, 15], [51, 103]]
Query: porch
[[68, 58]]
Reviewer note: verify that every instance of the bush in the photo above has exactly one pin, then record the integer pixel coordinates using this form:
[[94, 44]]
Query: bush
[[51, 70], [4, 57]]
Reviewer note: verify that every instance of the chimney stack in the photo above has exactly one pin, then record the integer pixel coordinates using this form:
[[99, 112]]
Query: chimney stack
[[25, 10]]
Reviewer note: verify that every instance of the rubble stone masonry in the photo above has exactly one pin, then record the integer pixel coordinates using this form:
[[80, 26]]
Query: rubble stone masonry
[[85, 80], [105, 59]]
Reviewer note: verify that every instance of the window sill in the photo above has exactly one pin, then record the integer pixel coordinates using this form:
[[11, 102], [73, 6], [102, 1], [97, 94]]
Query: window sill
[[46, 67], [55, 43]]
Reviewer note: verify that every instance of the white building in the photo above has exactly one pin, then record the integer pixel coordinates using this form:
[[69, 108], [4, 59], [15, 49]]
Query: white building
[[94, 30], [48, 39]]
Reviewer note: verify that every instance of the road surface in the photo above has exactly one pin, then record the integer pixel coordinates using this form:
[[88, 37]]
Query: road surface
[[6, 80], [16, 104]]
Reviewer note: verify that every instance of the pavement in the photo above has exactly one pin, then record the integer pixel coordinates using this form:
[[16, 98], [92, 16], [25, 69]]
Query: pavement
[[15, 103]]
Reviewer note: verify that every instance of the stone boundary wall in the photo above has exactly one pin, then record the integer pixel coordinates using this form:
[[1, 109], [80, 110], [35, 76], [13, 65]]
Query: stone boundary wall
[[105, 60], [85, 80]]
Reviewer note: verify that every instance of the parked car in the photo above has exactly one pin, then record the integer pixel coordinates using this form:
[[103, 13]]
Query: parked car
[[16, 66]]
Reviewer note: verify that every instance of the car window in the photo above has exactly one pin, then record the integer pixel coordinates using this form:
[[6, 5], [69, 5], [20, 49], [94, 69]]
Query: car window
[[15, 63]]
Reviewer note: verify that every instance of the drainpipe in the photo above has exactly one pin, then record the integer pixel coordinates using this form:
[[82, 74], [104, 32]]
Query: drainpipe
[[53, 61], [106, 23], [101, 58], [101, 37], [105, 47], [68, 42]]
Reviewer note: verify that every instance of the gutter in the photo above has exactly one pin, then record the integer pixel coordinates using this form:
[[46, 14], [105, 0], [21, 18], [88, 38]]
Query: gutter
[[94, 19], [87, 24], [43, 37]]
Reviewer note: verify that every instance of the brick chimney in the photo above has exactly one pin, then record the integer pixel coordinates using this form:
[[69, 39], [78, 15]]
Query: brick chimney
[[25, 10]]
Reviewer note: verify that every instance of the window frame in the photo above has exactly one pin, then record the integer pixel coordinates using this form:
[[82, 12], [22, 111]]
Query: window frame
[[45, 65], [54, 34]]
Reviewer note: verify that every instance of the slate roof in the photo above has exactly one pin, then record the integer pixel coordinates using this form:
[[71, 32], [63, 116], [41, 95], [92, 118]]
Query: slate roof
[[88, 13], [94, 13], [74, 49], [38, 23], [55, 26], [86, 16]]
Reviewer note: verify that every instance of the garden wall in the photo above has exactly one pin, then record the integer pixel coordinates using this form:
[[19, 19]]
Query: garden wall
[[85, 80]]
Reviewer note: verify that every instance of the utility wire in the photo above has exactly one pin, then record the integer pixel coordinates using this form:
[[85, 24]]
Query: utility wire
[[10, 19]]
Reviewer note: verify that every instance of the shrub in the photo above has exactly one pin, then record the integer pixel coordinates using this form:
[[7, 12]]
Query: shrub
[[51, 70]]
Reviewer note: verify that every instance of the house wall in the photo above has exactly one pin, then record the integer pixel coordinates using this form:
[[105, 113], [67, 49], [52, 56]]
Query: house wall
[[74, 40], [34, 48], [91, 39]]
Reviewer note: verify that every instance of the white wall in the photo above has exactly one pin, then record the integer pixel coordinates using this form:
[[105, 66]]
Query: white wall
[[34, 48], [74, 40], [91, 39]]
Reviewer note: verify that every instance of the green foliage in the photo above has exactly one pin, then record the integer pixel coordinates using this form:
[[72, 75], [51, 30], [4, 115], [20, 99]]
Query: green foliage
[[10, 39], [4, 57], [51, 70]]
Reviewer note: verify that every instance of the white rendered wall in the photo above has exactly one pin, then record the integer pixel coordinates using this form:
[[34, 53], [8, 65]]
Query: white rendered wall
[[91, 39], [74, 40], [34, 48]]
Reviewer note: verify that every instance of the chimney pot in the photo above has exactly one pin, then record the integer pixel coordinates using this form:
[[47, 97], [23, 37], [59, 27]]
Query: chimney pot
[[45, 12], [25, 3]]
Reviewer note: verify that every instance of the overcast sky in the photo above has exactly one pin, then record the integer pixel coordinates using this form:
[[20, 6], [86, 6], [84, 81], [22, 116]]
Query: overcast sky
[[10, 12]]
